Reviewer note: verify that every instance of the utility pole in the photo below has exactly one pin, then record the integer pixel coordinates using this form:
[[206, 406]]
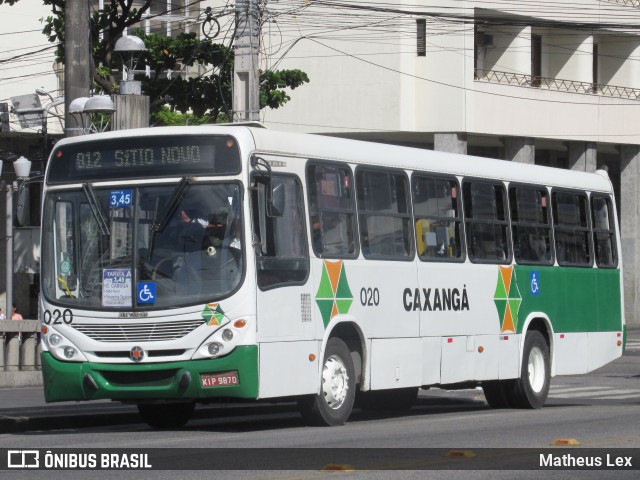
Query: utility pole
[[77, 55], [246, 84]]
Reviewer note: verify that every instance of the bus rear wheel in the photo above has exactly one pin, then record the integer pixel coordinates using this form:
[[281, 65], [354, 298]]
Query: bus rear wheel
[[166, 415], [337, 388], [497, 393], [532, 388]]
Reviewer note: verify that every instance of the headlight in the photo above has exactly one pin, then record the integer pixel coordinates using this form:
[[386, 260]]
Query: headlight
[[69, 352], [227, 334], [214, 349], [55, 339]]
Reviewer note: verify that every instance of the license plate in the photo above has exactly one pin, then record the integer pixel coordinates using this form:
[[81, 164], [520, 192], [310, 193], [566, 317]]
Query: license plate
[[224, 379]]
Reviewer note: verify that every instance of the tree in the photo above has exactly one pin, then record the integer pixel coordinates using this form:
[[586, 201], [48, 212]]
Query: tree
[[208, 95]]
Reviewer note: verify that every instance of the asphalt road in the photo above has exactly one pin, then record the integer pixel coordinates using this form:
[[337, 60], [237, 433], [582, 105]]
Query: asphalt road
[[596, 411]]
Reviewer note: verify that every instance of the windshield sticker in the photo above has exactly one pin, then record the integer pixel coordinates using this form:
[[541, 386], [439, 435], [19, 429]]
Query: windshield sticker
[[146, 292], [116, 287], [120, 198], [334, 296], [507, 299], [213, 314]]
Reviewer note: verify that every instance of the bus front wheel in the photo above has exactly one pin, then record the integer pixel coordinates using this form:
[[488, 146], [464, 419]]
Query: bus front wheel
[[337, 388], [166, 415]]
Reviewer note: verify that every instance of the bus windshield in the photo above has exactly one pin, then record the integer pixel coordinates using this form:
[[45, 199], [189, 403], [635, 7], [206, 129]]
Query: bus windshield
[[145, 247]]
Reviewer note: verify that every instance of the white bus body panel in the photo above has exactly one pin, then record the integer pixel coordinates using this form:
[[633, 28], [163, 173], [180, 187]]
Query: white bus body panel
[[603, 348], [396, 363], [570, 353], [286, 368]]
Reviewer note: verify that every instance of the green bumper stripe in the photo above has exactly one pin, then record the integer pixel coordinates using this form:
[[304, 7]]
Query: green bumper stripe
[[78, 381]]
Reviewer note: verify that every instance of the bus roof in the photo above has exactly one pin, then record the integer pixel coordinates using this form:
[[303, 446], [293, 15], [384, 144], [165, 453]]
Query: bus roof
[[370, 153]]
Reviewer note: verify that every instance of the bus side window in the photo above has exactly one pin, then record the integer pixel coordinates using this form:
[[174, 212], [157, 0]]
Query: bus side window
[[384, 214], [530, 224], [603, 232], [571, 228], [280, 241], [438, 216], [486, 222], [331, 210]]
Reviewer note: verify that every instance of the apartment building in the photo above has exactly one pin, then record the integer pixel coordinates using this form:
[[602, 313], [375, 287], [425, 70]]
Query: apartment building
[[550, 83]]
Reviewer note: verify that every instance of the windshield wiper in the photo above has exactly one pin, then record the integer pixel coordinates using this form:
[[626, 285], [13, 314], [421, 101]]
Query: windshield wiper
[[165, 215], [96, 209]]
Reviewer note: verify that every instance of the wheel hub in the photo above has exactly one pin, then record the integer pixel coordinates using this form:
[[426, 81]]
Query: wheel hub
[[335, 382], [536, 370]]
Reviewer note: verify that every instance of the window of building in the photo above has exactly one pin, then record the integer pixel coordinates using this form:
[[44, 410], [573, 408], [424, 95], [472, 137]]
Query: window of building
[[384, 214], [421, 37], [332, 210], [536, 60], [604, 232], [486, 222], [436, 207], [571, 228], [530, 225]]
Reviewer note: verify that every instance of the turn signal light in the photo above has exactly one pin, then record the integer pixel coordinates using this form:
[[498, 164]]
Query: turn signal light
[[239, 323]]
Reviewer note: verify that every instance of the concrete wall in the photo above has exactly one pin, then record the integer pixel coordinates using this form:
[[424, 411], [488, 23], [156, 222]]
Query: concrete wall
[[19, 354]]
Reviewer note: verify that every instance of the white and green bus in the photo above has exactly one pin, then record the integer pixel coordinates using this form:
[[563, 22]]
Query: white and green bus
[[186, 265]]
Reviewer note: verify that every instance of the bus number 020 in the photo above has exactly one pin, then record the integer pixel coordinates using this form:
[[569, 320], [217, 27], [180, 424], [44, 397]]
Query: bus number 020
[[57, 317], [370, 297]]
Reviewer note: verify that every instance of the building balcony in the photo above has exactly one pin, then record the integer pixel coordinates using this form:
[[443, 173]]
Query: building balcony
[[557, 84]]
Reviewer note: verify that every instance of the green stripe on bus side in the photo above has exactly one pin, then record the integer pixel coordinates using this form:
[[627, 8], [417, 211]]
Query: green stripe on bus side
[[65, 380], [574, 299]]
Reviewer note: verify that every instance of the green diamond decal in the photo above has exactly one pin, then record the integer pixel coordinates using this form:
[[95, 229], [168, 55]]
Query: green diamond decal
[[213, 314], [507, 299], [334, 295]]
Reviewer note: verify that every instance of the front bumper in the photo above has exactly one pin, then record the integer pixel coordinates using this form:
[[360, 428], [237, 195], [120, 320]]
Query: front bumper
[[65, 381]]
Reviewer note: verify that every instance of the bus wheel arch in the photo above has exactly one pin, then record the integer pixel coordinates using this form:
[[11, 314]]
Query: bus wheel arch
[[340, 372]]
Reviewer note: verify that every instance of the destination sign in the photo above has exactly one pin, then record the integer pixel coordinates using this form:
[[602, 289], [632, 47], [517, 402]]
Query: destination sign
[[145, 157]]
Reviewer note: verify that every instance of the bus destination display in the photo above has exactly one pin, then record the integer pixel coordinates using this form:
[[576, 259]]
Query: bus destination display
[[145, 157]]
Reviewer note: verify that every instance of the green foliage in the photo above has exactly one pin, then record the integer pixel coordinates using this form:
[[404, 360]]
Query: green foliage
[[272, 85], [166, 116]]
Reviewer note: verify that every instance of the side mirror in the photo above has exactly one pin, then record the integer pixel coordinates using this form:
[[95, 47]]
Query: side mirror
[[29, 195], [276, 199]]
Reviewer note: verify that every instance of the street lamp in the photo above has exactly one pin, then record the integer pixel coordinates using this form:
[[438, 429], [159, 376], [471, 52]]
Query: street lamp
[[22, 167], [99, 106], [54, 103], [129, 48]]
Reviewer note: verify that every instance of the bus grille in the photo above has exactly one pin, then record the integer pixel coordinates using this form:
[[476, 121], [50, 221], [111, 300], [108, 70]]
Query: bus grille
[[138, 332]]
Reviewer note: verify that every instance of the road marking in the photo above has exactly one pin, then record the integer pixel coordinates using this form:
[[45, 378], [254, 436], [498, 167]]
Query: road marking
[[633, 344], [595, 392]]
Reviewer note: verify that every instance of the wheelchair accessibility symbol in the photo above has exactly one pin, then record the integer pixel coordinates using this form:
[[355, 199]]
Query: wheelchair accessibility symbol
[[146, 292], [534, 283]]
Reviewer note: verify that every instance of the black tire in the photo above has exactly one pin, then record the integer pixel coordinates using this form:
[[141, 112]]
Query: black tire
[[532, 388], [497, 393], [393, 400], [166, 415], [337, 388]]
